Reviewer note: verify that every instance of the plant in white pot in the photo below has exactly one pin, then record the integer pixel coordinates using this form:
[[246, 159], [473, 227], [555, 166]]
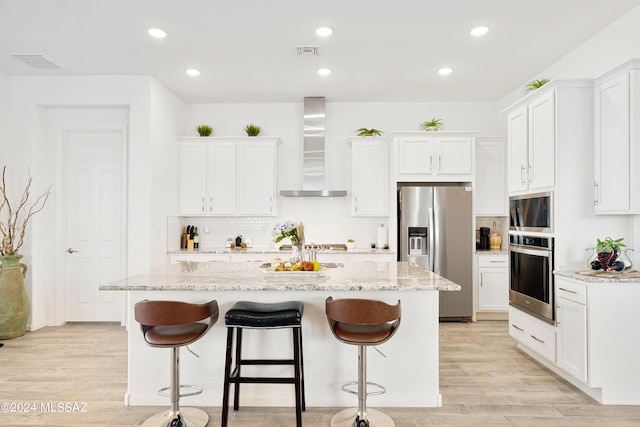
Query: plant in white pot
[[14, 218]]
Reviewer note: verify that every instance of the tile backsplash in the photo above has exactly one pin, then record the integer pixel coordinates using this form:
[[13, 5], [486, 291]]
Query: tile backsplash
[[325, 221], [502, 227]]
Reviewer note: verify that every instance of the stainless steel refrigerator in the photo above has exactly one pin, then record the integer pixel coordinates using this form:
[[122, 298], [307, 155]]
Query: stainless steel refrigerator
[[435, 231]]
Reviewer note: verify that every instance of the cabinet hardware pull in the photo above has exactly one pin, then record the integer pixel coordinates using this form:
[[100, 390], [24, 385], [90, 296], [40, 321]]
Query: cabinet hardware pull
[[430, 162], [537, 339], [203, 208], [567, 290], [595, 193], [522, 174], [498, 262], [355, 203], [439, 163], [211, 204], [520, 329], [480, 279], [530, 174]]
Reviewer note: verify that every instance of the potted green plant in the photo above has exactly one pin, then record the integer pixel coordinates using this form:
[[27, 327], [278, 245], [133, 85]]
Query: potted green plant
[[14, 217], [534, 85], [204, 130], [252, 130], [369, 132], [432, 125]]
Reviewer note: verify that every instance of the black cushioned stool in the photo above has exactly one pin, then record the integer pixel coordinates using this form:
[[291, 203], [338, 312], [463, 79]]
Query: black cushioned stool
[[253, 315], [362, 322], [173, 324]]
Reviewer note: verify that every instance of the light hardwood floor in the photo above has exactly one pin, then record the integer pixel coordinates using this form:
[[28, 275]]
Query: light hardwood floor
[[484, 380]]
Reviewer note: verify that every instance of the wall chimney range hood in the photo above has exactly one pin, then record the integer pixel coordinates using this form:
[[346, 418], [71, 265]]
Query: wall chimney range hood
[[313, 157]]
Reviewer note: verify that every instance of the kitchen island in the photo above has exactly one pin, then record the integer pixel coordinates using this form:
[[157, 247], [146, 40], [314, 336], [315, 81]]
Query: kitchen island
[[409, 371]]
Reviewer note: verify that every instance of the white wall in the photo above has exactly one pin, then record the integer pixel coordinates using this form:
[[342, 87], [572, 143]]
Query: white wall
[[609, 48], [4, 112], [166, 121], [29, 97]]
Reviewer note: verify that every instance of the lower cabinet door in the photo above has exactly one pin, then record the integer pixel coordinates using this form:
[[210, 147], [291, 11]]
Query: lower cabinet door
[[494, 289], [572, 338]]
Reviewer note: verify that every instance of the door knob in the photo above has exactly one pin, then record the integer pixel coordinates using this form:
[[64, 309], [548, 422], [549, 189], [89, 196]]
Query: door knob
[[71, 250]]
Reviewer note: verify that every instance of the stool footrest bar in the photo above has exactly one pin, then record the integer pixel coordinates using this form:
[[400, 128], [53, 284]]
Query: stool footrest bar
[[197, 390], [380, 388]]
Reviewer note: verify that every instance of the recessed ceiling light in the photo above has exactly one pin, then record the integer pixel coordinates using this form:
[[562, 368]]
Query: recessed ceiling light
[[324, 31], [479, 31], [324, 71], [158, 33], [192, 72], [445, 71]]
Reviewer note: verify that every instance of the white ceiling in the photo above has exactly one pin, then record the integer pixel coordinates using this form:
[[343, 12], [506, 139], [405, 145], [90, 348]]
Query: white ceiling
[[381, 50]]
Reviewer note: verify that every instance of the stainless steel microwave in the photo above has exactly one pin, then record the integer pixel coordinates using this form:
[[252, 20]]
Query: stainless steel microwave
[[531, 212]]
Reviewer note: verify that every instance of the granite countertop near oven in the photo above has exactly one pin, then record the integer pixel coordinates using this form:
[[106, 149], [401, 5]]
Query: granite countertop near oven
[[600, 277], [491, 251]]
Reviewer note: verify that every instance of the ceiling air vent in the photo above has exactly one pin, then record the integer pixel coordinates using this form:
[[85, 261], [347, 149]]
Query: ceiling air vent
[[36, 60], [307, 50]]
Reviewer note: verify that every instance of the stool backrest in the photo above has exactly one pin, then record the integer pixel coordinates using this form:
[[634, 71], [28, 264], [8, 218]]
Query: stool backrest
[[171, 313], [362, 311]]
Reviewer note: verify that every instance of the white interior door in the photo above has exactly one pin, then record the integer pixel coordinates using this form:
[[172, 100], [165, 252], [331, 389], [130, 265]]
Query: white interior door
[[94, 213]]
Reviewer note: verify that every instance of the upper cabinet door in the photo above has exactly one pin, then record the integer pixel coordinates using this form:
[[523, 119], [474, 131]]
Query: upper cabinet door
[[612, 169], [542, 143], [370, 176], [415, 155], [221, 181], [453, 155], [256, 178], [193, 178], [491, 185], [518, 134]]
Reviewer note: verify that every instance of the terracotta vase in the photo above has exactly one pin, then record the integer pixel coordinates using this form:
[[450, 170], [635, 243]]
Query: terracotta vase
[[14, 301]]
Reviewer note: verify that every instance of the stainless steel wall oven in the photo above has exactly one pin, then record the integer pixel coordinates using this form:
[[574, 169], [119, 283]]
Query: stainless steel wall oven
[[531, 275]]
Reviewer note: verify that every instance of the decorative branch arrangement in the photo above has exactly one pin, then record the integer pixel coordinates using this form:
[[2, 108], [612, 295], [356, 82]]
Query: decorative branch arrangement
[[14, 219]]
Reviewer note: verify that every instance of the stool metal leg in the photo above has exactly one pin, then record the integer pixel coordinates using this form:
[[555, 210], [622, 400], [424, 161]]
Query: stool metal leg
[[361, 417], [175, 417]]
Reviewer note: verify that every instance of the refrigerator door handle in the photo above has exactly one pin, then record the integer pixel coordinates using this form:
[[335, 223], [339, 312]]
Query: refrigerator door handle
[[431, 245]]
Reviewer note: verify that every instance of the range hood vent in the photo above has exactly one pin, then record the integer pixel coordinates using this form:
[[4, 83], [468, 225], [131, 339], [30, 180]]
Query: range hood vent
[[313, 158]]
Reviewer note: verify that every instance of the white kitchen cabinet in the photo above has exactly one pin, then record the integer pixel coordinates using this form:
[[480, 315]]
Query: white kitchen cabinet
[[616, 187], [441, 157], [531, 134], [493, 282], [571, 324], [256, 172], [491, 178], [533, 333], [370, 176], [227, 176], [595, 346]]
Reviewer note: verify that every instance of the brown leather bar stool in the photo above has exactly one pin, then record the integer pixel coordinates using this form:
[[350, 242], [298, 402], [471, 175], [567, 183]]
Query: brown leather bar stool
[[363, 323], [253, 315], [173, 324]]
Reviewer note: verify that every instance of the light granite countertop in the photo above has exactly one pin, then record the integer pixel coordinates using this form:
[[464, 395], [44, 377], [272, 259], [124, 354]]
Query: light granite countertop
[[277, 251], [619, 278], [249, 276]]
